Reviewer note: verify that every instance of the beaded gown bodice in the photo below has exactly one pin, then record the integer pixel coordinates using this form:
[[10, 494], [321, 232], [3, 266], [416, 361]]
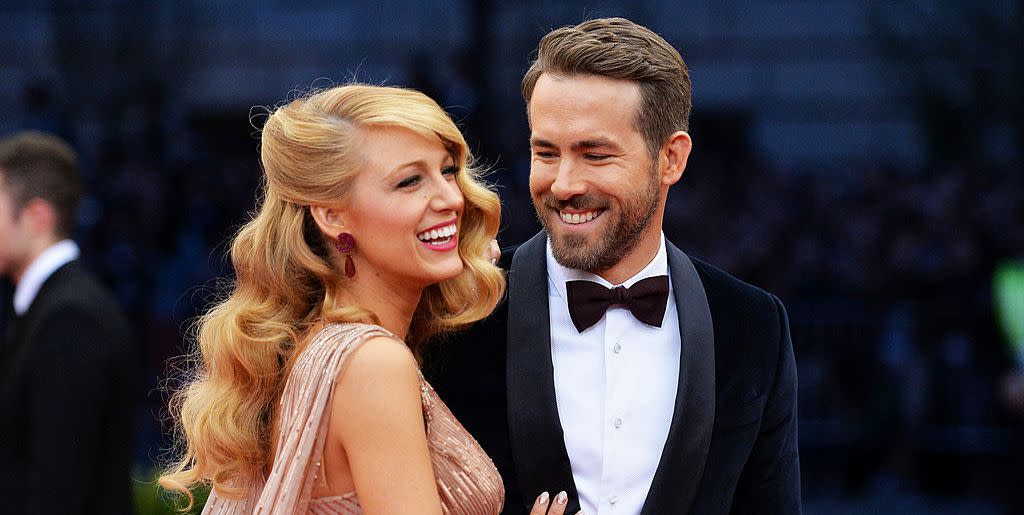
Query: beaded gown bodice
[[467, 480]]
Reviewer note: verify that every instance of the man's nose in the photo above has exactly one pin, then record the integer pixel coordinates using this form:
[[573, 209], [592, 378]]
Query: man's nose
[[567, 183]]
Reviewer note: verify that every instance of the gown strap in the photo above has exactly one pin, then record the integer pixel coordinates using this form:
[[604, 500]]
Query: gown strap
[[304, 415]]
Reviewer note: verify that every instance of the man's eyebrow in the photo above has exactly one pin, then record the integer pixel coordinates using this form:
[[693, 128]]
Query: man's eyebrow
[[578, 146], [589, 144]]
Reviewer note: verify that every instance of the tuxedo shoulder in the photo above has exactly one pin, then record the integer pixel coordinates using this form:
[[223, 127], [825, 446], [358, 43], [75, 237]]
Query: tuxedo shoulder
[[81, 290], [78, 300], [725, 286], [750, 323]]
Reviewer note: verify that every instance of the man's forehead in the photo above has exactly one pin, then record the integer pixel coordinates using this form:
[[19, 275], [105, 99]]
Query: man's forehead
[[573, 80], [582, 108], [583, 133]]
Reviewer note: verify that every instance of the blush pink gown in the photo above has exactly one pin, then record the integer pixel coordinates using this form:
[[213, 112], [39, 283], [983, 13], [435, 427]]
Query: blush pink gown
[[466, 478]]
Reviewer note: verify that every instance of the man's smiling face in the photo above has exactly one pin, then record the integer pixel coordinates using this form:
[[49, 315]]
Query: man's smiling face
[[593, 181]]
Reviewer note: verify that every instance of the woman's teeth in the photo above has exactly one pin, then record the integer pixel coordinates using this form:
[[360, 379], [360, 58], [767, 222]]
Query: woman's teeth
[[578, 218], [443, 234]]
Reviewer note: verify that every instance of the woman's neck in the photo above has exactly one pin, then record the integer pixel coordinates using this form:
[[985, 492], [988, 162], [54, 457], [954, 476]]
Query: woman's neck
[[394, 303]]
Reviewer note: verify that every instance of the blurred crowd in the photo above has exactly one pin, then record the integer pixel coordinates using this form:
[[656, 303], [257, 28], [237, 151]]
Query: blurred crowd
[[886, 273]]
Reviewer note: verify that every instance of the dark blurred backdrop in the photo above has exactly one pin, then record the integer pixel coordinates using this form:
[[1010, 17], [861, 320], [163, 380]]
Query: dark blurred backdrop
[[859, 159]]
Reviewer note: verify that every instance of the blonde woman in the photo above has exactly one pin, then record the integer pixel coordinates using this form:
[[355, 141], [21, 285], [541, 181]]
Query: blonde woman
[[372, 235]]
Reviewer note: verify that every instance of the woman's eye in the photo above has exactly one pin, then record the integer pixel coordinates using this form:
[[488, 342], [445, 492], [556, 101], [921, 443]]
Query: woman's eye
[[410, 181], [451, 170]]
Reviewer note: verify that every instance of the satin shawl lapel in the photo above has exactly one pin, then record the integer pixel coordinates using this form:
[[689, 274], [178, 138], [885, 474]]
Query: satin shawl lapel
[[686, 449], [535, 432]]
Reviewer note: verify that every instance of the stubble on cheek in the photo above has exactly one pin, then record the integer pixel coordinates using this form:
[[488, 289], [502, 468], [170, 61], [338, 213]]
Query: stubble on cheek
[[619, 231]]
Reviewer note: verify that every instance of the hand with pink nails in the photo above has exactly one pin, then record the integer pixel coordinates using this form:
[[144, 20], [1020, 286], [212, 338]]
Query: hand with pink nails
[[551, 506], [494, 252]]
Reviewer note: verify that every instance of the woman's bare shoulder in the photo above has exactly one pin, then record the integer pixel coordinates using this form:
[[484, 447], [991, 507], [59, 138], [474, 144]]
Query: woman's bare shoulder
[[381, 370]]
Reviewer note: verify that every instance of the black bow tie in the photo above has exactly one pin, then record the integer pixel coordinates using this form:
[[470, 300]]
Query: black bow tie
[[646, 299]]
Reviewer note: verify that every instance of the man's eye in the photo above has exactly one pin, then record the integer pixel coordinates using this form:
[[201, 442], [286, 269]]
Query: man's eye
[[597, 157], [410, 181], [543, 154]]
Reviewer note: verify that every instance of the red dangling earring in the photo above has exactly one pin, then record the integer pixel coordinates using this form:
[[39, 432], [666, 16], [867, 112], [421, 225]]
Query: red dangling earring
[[345, 243]]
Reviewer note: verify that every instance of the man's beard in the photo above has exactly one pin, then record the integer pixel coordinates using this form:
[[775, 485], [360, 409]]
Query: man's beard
[[621, 236]]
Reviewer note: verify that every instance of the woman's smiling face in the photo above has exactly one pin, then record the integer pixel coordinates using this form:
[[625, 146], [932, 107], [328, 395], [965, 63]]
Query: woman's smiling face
[[404, 208]]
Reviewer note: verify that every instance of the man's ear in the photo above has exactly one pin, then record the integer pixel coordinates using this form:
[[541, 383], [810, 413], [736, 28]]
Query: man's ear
[[674, 155], [39, 216], [330, 219]]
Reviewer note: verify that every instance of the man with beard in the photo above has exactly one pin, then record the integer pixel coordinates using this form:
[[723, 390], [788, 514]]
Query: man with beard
[[620, 370]]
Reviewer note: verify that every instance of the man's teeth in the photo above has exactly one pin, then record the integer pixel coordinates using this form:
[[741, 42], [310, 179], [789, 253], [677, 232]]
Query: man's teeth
[[435, 234], [577, 218]]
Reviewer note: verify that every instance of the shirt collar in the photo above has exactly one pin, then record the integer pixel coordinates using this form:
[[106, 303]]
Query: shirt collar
[[558, 274], [54, 257]]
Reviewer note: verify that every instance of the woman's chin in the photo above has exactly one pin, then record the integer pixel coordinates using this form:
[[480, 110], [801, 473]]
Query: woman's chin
[[446, 271]]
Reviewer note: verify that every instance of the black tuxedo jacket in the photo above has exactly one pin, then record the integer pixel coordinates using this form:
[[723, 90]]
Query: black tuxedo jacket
[[732, 443], [67, 402]]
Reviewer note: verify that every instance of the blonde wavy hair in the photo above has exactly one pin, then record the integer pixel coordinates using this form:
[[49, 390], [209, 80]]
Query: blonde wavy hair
[[287, 283]]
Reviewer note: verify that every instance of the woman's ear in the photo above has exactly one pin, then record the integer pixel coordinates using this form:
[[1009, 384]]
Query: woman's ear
[[330, 220]]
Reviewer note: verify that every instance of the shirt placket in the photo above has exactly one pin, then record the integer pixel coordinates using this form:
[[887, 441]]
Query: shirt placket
[[615, 406]]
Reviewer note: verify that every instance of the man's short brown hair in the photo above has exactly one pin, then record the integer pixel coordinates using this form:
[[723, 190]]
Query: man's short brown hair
[[620, 49], [37, 165]]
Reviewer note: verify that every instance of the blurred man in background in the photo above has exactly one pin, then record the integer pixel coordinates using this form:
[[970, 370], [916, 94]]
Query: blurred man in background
[[67, 364]]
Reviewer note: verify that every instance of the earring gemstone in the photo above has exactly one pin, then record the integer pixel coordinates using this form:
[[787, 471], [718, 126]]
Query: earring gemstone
[[345, 243]]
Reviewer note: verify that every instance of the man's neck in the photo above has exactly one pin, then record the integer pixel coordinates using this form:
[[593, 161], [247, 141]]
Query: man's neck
[[560, 274], [35, 249], [39, 270], [636, 260]]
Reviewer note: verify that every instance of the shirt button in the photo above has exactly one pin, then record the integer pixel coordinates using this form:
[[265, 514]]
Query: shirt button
[[612, 500], [617, 348], [618, 423]]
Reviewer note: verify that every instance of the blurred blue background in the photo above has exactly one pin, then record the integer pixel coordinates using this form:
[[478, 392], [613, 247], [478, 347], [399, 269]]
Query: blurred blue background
[[859, 159]]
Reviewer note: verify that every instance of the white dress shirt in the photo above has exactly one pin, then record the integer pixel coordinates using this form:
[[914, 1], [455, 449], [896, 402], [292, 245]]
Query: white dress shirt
[[54, 257], [615, 387]]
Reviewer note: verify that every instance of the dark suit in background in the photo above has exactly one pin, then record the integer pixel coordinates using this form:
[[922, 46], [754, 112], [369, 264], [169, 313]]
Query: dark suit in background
[[6, 311], [67, 402], [732, 443]]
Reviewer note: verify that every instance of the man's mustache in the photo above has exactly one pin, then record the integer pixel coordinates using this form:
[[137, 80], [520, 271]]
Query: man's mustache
[[577, 203]]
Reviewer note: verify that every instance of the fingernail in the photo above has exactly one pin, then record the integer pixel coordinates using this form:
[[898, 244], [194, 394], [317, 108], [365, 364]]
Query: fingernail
[[543, 498], [561, 498]]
